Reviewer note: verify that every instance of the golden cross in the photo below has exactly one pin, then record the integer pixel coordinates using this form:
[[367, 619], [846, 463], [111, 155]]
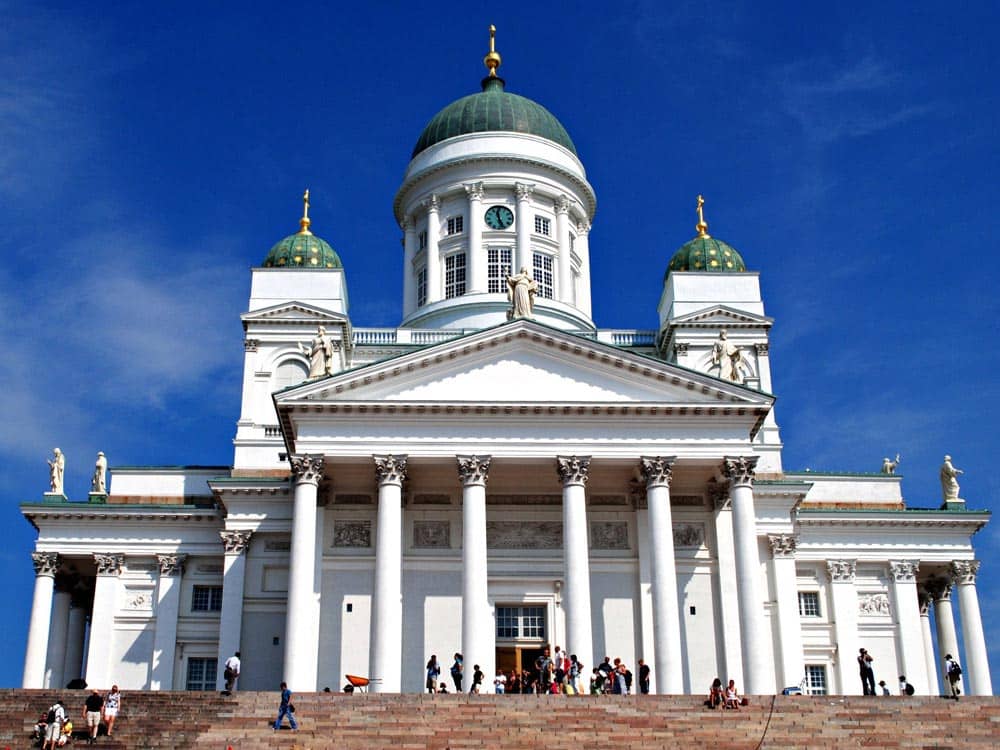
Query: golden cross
[[305, 200], [702, 226], [493, 31]]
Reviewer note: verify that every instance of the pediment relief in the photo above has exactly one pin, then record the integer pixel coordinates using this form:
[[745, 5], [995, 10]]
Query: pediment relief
[[721, 316], [293, 312]]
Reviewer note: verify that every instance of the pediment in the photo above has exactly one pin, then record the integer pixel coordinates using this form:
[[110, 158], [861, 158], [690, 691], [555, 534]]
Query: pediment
[[721, 316], [525, 363], [292, 312]]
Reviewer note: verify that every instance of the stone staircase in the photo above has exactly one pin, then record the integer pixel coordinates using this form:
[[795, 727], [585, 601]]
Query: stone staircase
[[243, 722]]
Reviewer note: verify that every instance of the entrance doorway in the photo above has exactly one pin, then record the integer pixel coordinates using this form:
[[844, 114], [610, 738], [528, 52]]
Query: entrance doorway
[[522, 632]]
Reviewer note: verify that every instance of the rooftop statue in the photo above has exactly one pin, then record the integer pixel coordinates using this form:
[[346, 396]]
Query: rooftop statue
[[521, 291], [949, 480], [57, 469], [727, 357], [320, 355], [889, 467], [98, 483]]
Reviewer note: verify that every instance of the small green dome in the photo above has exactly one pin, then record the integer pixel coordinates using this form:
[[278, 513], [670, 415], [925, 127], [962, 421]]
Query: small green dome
[[493, 110], [302, 250], [705, 253]]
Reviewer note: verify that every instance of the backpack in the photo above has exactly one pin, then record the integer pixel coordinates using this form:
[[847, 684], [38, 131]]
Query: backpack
[[909, 689], [954, 670], [50, 717]]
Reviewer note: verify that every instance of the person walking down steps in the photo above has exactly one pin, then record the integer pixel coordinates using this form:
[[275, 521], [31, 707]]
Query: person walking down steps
[[285, 708]]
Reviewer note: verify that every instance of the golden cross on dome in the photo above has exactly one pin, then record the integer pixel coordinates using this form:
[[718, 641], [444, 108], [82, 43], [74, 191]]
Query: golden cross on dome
[[304, 221], [702, 226], [492, 59]]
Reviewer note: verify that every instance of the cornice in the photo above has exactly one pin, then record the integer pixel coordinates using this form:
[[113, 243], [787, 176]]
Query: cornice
[[86, 513], [974, 520]]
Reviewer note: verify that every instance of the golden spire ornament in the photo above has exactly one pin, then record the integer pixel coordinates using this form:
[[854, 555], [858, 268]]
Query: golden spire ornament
[[702, 225], [492, 59], [304, 221]]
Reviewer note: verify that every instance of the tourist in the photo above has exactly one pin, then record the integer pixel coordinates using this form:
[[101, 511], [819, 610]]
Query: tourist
[[606, 669], [231, 673], [92, 715], [53, 725], [544, 666], [866, 671], [456, 672], [715, 694], [732, 696], [499, 682], [285, 708], [905, 688], [477, 680], [885, 688], [575, 668], [643, 677], [558, 673], [618, 678], [443, 688], [953, 671], [596, 681], [112, 705], [433, 672]]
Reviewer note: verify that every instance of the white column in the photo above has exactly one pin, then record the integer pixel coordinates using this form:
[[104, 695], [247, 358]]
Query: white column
[[56, 659], [477, 258], [930, 663], [729, 615], [301, 646], [386, 662], [75, 632], [647, 640], [46, 564], [168, 604], [434, 280], [573, 472], [790, 659], [583, 253], [102, 620], [522, 254], [565, 288], [844, 598], [976, 668], [409, 272], [234, 566], [906, 611], [668, 662], [740, 471], [478, 633], [940, 590]]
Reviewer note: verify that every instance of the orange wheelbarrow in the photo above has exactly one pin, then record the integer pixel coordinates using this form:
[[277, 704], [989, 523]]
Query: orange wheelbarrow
[[360, 683]]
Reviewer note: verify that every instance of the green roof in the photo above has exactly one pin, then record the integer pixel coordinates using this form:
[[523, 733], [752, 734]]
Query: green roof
[[493, 110], [706, 254], [301, 250]]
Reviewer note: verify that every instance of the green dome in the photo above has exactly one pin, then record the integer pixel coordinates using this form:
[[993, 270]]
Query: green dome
[[706, 254], [302, 250], [493, 110]]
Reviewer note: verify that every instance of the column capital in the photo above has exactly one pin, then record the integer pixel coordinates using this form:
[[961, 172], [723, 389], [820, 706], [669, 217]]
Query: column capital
[[718, 495], [45, 563], [739, 469], [563, 204], [583, 227], [573, 469], [431, 202], [390, 469], [250, 345], [523, 190], [924, 601], [963, 572], [938, 589], [109, 564], [307, 469], [904, 571], [657, 470], [841, 571], [782, 545], [409, 223], [236, 541], [473, 469], [474, 190], [172, 564], [762, 349]]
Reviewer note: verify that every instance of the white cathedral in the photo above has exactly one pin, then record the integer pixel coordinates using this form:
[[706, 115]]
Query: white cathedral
[[497, 473]]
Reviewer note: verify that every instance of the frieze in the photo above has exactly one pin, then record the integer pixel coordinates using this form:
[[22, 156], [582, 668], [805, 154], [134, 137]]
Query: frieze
[[657, 470], [473, 469], [841, 571], [689, 535], [45, 563], [432, 534], [606, 500], [573, 469], [690, 501], [904, 571], [349, 499], [142, 567], [873, 605], [524, 499], [390, 469], [964, 571], [432, 499], [278, 546], [609, 535], [352, 533], [524, 534], [171, 565], [109, 564], [208, 568], [307, 468]]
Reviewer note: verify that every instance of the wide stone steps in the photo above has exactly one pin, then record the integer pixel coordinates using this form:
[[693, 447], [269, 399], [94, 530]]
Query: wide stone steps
[[449, 722]]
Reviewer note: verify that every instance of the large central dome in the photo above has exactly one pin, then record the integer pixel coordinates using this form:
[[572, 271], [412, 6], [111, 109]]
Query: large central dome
[[493, 110]]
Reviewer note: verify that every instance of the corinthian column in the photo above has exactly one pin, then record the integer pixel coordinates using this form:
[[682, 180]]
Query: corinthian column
[[477, 258], [168, 602], [790, 659], [573, 471], [977, 666], [740, 473], [668, 662], [940, 591], [46, 564], [523, 255], [845, 623], [434, 291], [301, 635], [409, 272], [58, 630], [478, 635], [234, 567], [102, 621], [387, 608], [906, 611], [565, 266], [930, 665]]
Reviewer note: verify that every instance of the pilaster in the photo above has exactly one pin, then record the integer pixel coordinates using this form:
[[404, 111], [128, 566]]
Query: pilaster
[[845, 624], [168, 601], [790, 661], [235, 544], [102, 620]]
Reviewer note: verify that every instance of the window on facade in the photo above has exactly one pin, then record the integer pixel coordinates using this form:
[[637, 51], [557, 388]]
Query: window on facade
[[809, 604], [543, 226], [422, 240], [422, 287], [815, 679], [201, 674], [521, 622], [454, 275], [456, 225], [542, 266], [289, 373], [498, 262], [206, 599]]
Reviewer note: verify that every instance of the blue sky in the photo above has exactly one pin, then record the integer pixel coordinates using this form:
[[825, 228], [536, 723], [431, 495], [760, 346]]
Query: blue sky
[[150, 154]]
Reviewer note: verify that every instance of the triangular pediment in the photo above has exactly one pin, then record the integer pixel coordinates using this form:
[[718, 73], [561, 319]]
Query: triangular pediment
[[526, 363], [721, 316], [292, 312]]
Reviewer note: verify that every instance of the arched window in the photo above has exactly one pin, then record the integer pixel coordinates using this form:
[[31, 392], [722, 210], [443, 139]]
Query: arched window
[[289, 373]]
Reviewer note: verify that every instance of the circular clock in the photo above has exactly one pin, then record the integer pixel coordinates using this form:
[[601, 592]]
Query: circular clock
[[499, 217]]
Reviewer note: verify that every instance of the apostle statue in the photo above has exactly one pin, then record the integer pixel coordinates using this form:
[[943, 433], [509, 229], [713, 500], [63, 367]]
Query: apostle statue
[[320, 355], [728, 358], [57, 469], [889, 467], [521, 291], [98, 483], [949, 480]]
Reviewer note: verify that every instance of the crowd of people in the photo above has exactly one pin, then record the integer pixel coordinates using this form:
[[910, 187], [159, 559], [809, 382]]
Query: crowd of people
[[55, 728]]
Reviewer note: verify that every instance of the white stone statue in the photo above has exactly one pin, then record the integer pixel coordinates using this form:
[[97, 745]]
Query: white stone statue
[[728, 358], [98, 483], [57, 469], [889, 467], [320, 355], [949, 480], [521, 291]]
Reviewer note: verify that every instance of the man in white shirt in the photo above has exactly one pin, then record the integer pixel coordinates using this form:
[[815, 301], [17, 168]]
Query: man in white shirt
[[55, 719], [500, 682], [232, 672]]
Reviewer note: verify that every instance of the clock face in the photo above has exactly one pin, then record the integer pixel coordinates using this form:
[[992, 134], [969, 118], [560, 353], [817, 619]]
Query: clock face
[[499, 217]]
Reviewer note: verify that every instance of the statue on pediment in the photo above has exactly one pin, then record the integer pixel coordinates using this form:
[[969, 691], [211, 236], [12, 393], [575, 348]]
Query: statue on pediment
[[57, 470], [728, 358], [98, 483], [949, 480], [320, 355], [889, 467], [521, 291]]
